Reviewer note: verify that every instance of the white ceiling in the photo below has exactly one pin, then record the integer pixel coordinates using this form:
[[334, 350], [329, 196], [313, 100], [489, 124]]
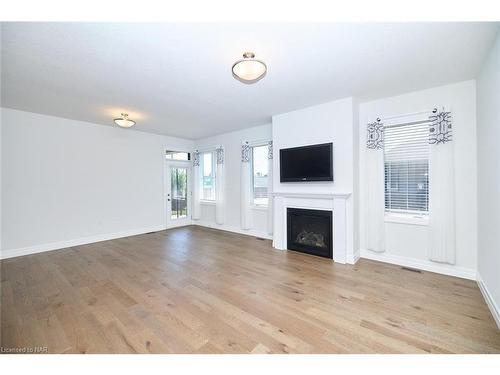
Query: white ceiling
[[175, 79]]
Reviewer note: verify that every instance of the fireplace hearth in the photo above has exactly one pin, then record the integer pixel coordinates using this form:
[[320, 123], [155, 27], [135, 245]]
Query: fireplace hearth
[[310, 231]]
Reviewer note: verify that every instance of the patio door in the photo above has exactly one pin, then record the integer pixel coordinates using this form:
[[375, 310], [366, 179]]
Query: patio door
[[178, 194]]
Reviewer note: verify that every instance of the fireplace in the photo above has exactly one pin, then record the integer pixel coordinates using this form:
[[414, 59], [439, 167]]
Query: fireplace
[[310, 231]]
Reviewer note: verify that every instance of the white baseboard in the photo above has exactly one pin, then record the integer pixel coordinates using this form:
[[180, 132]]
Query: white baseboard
[[354, 259], [11, 253], [495, 310], [425, 265], [230, 228]]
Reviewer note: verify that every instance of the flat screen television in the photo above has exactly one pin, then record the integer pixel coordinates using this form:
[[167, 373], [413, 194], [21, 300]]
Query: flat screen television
[[307, 163]]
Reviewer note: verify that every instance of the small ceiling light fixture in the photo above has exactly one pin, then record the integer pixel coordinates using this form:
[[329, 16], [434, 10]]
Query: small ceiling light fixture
[[124, 121], [249, 70]]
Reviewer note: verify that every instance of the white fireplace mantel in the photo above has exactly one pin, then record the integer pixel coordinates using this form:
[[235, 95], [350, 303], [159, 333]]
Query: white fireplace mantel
[[312, 195], [337, 203]]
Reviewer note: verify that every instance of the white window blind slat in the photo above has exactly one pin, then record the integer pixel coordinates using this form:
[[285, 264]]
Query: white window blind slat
[[406, 157]]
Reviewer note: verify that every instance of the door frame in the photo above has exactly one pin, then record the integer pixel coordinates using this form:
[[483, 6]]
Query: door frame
[[167, 188]]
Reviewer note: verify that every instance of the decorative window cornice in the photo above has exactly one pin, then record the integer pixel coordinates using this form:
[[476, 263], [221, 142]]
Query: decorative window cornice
[[270, 150], [375, 136], [245, 153], [196, 159], [440, 129], [219, 152]]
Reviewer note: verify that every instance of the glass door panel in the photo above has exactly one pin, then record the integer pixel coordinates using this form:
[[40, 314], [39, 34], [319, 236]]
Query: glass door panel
[[179, 192]]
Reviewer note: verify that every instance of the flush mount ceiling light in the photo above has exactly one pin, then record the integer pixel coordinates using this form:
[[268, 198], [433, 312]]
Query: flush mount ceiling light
[[249, 70], [124, 121]]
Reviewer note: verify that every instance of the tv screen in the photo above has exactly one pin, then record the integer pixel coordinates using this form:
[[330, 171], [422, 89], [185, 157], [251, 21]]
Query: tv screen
[[307, 163]]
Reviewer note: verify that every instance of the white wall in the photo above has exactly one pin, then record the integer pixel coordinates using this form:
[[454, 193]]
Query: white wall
[[328, 122], [1, 168], [488, 136], [232, 144], [1, 52], [409, 242], [66, 181]]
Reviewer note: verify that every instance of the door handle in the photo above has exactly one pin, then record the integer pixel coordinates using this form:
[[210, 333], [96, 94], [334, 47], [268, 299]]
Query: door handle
[[168, 199]]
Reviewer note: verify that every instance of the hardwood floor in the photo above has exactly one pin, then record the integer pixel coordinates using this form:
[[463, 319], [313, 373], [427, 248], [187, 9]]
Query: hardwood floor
[[197, 290]]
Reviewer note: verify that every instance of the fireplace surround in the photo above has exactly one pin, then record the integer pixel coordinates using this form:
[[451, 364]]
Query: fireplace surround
[[310, 231], [337, 203]]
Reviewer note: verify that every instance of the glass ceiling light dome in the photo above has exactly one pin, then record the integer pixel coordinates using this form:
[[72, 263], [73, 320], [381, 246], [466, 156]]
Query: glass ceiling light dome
[[249, 70], [124, 121]]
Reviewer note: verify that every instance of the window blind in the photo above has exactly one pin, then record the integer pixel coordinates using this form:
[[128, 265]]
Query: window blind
[[208, 176], [406, 160], [260, 168]]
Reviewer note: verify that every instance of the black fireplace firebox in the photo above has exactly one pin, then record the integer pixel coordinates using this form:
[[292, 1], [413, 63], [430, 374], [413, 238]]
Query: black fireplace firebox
[[310, 231]]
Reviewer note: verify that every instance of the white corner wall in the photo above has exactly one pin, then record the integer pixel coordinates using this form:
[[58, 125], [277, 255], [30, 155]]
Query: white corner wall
[[232, 146], [488, 174], [356, 187], [1, 168], [407, 244], [67, 182]]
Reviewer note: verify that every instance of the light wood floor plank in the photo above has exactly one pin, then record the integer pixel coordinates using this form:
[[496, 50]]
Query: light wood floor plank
[[197, 290]]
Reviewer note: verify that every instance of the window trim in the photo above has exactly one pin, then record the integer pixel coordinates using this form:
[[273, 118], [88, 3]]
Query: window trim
[[171, 152], [406, 218], [253, 205], [214, 171], [207, 202]]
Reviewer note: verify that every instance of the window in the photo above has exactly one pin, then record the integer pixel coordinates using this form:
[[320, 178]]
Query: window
[[207, 165], [178, 155], [259, 174], [406, 154]]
